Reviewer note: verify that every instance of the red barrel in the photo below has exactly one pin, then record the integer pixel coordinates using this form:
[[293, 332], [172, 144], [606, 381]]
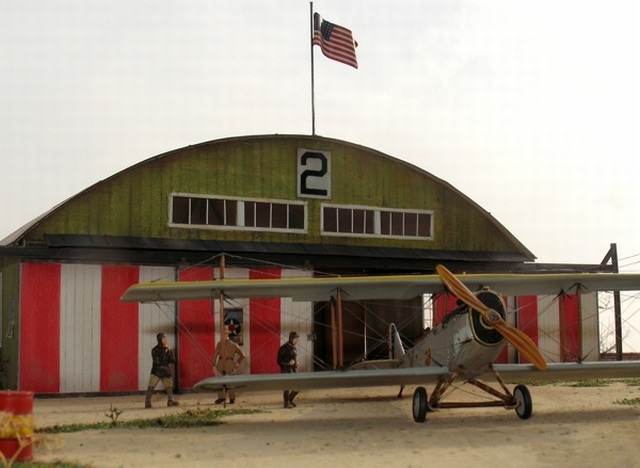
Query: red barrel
[[16, 425]]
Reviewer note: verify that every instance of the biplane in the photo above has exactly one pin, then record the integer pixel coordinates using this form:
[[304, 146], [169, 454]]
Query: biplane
[[460, 350]]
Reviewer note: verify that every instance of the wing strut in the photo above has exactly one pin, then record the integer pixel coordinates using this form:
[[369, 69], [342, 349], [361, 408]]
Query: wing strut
[[223, 335], [337, 331], [334, 347], [340, 331]]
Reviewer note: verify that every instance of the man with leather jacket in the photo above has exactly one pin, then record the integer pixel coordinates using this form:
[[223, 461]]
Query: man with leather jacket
[[162, 357], [288, 362]]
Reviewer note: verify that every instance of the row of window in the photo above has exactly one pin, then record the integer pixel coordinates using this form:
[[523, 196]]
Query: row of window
[[200, 211], [236, 213], [396, 223]]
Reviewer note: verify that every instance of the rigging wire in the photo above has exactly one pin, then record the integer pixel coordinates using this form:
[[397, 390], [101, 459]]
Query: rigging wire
[[369, 308]]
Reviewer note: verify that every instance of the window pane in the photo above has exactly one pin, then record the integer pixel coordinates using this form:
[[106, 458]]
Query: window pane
[[344, 220], [424, 225], [198, 211], [263, 215], [296, 216], [358, 221], [330, 216], [249, 214], [369, 221], [410, 224], [180, 210], [385, 223], [278, 215], [231, 209], [216, 212], [397, 224]]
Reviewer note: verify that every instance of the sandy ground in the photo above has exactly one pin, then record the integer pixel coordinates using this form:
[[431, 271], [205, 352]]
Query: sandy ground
[[358, 427]]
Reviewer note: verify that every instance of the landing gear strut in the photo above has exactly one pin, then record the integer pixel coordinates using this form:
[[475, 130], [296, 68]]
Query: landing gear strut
[[520, 400]]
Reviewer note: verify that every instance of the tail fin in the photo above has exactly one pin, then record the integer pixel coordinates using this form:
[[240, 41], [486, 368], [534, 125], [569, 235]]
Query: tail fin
[[397, 350]]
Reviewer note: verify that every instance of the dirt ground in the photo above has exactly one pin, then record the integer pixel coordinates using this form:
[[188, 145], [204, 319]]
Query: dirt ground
[[570, 426]]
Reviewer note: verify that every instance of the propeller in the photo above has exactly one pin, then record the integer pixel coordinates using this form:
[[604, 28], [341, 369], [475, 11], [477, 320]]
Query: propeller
[[513, 335]]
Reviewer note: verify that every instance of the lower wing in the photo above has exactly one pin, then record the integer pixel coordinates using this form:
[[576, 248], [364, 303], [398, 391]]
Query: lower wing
[[322, 380], [414, 376], [570, 371]]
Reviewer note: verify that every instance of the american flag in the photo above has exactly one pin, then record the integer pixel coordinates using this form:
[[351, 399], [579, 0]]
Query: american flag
[[335, 41]]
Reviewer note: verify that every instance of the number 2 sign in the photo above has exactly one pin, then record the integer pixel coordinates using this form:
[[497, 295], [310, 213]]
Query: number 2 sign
[[314, 173]]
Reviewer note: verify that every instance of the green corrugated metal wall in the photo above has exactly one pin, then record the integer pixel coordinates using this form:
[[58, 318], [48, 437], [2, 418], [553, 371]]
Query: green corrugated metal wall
[[134, 202]]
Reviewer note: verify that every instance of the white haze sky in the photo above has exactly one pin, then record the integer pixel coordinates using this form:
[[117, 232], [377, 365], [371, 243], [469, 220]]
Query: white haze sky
[[529, 107]]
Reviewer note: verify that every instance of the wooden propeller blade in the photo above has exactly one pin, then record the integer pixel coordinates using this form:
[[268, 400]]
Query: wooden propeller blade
[[513, 335]]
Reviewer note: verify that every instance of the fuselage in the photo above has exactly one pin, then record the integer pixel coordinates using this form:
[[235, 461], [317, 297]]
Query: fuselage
[[462, 340]]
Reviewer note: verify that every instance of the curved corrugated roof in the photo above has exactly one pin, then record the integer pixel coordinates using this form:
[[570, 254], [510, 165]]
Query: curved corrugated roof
[[17, 237]]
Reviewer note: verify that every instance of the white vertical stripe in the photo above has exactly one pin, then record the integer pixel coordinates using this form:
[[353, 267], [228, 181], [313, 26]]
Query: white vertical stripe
[[549, 325], [80, 328], [154, 318], [590, 327], [298, 316]]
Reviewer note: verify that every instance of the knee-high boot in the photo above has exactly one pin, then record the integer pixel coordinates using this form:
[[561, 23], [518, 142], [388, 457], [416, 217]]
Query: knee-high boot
[[286, 399], [147, 400], [292, 395]]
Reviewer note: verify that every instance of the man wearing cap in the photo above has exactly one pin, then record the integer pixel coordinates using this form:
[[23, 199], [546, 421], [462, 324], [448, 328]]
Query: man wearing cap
[[226, 363], [288, 362], [162, 357]]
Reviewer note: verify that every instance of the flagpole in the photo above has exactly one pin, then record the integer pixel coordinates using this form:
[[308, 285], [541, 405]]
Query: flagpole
[[313, 98]]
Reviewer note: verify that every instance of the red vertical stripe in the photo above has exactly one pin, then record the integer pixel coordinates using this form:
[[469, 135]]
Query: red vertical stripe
[[503, 357], [118, 331], [265, 327], [40, 328], [570, 328], [443, 303], [196, 333]]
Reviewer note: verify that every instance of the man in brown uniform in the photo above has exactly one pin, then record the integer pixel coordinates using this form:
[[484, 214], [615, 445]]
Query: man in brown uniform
[[225, 362]]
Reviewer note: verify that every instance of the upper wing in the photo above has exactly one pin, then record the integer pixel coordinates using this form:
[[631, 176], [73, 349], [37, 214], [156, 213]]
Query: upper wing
[[322, 380], [379, 287], [299, 289]]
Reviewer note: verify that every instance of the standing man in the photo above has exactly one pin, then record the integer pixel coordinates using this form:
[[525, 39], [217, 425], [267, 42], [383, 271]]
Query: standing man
[[225, 363], [288, 362], [162, 357]]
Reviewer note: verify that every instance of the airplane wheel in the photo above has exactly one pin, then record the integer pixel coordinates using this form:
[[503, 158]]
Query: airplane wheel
[[420, 405], [524, 403]]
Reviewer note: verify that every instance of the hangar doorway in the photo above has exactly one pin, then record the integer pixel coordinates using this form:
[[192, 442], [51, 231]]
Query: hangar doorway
[[365, 330]]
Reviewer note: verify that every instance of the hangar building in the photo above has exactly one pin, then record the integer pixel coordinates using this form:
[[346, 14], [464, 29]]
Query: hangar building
[[271, 206]]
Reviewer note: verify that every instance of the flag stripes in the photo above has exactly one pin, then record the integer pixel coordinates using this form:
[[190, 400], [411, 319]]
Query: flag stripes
[[335, 42]]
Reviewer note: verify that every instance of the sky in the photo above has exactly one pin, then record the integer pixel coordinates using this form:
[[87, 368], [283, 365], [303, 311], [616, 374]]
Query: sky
[[531, 108]]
